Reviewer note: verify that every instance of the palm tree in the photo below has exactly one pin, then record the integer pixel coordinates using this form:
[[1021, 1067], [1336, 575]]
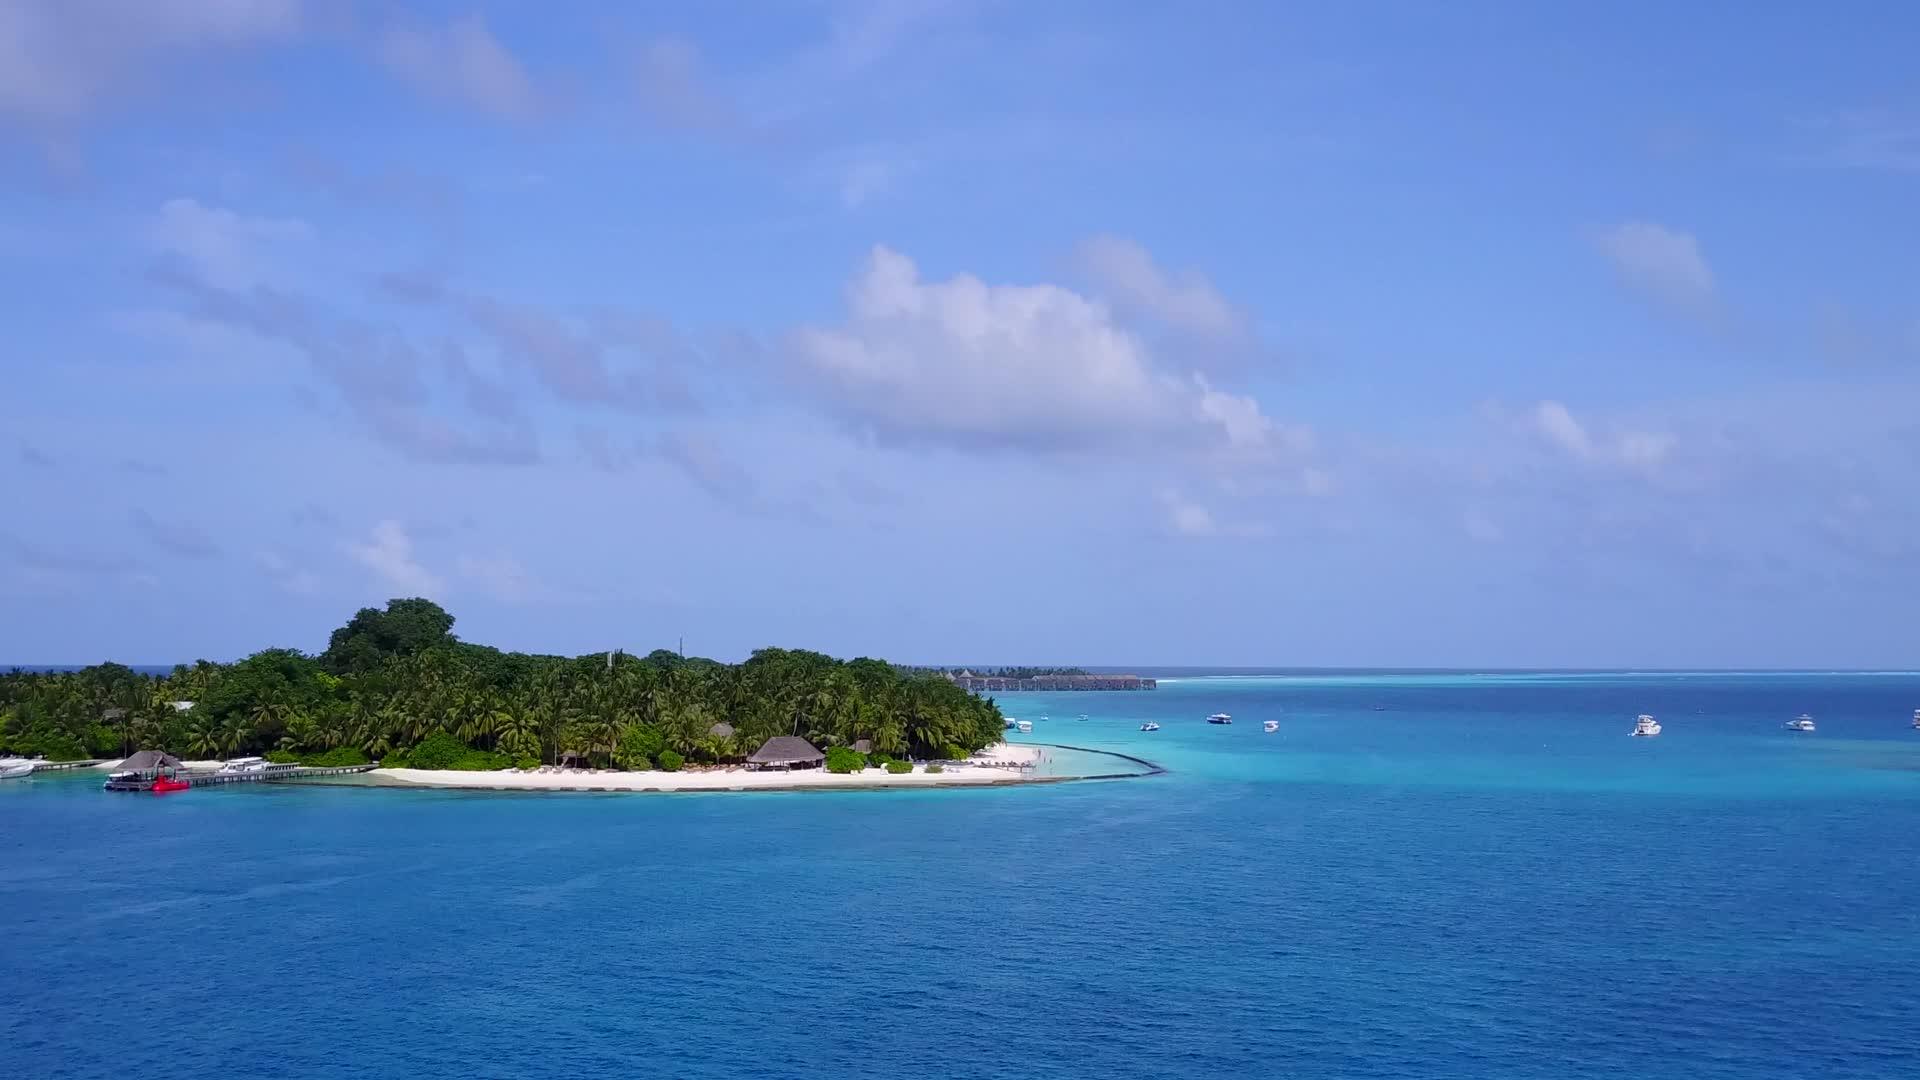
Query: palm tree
[[234, 734], [203, 737]]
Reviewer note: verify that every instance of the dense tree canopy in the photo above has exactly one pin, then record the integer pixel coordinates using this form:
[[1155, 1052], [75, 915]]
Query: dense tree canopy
[[391, 680], [373, 637]]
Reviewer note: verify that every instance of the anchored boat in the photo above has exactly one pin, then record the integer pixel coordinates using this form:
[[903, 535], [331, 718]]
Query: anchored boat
[[1803, 722], [1220, 718], [1646, 725]]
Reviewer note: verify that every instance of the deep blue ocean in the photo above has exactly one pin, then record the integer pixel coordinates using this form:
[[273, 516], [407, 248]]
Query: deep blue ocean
[[1421, 876]]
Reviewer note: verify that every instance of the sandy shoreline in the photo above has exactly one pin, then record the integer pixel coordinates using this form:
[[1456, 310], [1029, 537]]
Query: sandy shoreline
[[955, 774]]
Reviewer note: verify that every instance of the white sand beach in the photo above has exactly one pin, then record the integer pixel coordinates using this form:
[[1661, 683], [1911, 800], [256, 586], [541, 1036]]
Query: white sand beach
[[973, 772]]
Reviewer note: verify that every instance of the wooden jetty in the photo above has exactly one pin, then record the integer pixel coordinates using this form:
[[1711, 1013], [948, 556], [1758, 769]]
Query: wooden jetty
[[144, 782]]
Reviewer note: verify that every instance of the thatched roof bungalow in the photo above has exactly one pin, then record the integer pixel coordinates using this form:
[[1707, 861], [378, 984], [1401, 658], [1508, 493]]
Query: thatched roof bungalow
[[148, 761], [786, 752]]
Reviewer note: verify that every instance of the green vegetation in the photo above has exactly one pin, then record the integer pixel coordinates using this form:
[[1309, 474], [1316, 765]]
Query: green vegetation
[[899, 767], [396, 686], [936, 768], [437, 751], [842, 760]]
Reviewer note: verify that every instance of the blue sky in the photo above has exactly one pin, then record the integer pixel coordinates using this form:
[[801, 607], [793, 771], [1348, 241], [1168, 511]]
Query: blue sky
[[1269, 334]]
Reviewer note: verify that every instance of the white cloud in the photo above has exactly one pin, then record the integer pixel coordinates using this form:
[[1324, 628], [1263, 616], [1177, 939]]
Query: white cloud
[[461, 62], [1189, 519], [1660, 261], [1553, 420], [1641, 450], [59, 58], [500, 575], [1184, 517], [226, 250], [389, 554], [868, 176], [962, 362], [287, 576], [1186, 300]]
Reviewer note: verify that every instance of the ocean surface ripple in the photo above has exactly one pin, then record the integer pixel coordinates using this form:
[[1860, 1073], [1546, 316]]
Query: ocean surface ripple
[[1420, 876]]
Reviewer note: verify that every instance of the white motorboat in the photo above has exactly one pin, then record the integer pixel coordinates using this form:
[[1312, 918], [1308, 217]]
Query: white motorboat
[[243, 765], [1270, 726], [1646, 725], [1803, 722], [1082, 716], [1012, 724], [13, 768], [1220, 718], [1024, 727], [1149, 726]]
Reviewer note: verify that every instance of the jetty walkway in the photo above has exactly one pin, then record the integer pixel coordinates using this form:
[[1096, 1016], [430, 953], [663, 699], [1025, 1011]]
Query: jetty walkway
[[257, 776]]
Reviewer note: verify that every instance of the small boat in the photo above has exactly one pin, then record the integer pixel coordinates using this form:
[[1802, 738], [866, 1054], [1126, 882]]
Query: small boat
[[1270, 726], [1149, 726], [242, 765], [1012, 724], [164, 783], [1646, 725], [1024, 727], [1220, 718], [1803, 722], [1916, 719], [1379, 708], [1082, 716], [13, 768]]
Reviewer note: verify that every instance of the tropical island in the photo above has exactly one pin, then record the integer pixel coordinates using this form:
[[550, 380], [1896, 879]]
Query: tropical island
[[396, 687]]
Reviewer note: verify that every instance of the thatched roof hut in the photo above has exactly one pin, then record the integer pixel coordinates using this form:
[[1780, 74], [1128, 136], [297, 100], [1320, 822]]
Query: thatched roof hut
[[721, 730], [148, 761], [786, 752]]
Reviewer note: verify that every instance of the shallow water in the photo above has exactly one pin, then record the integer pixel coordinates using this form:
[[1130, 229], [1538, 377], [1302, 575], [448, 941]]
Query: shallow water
[[1484, 878]]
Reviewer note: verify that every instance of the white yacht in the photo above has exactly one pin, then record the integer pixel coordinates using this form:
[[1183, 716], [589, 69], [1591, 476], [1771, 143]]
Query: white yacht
[[1024, 727], [1646, 725], [243, 765], [1149, 726], [1220, 718], [1803, 722], [13, 768], [1270, 726]]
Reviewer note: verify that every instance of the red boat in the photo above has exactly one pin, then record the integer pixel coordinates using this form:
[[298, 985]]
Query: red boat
[[168, 783]]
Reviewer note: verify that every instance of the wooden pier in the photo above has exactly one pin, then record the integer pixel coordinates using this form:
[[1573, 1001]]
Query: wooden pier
[[262, 776]]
